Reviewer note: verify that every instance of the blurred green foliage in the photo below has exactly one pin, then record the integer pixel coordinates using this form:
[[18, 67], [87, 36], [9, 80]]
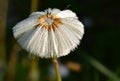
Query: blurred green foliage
[[98, 54]]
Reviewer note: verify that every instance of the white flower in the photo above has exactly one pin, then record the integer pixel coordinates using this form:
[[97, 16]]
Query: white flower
[[48, 34]]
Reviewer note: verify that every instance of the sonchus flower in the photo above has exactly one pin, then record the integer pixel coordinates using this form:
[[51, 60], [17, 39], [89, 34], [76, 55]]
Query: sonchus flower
[[52, 33]]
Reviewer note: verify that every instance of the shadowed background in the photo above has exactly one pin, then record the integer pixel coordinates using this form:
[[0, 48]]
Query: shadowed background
[[96, 58]]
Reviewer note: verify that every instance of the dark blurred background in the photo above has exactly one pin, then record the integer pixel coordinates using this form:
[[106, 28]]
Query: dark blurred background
[[97, 58]]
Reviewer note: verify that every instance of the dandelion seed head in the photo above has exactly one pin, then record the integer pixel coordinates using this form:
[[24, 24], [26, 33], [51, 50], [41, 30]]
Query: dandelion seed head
[[48, 34], [49, 21]]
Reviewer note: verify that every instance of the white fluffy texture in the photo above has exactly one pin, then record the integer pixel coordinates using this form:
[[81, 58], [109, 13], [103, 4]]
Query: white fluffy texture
[[48, 44], [66, 13]]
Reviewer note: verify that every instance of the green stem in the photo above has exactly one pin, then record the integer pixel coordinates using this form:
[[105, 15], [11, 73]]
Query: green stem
[[34, 5], [55, 63]]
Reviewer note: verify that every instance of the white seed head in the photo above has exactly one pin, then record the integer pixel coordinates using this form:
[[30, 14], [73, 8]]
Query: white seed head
[[48, 34]]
